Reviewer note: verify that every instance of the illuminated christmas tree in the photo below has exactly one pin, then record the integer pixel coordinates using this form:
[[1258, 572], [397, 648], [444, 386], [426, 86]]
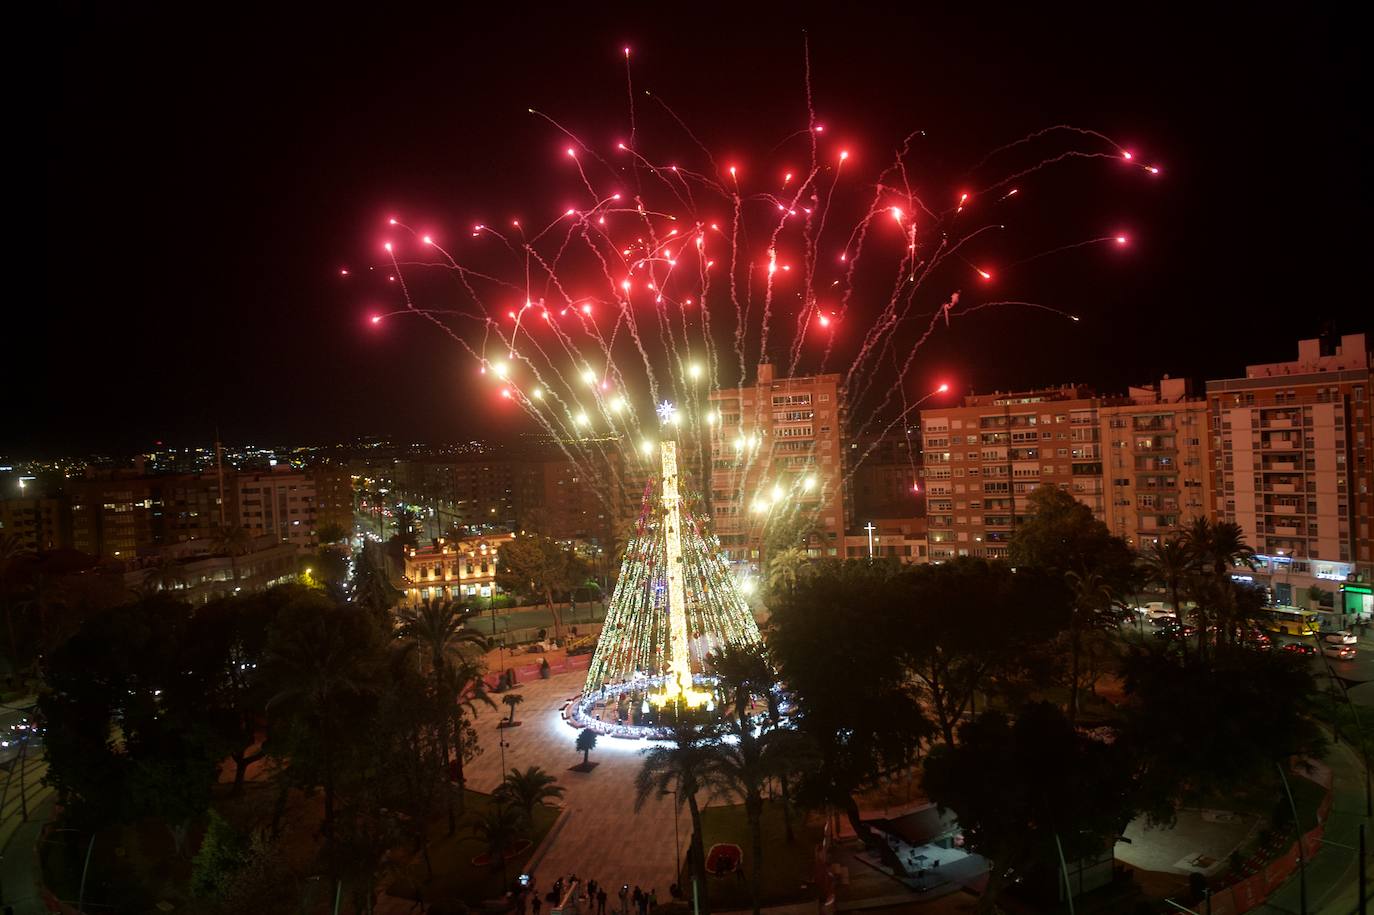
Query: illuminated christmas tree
[[675, 602]]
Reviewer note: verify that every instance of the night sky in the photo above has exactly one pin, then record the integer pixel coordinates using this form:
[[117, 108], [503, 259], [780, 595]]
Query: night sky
[[207, 178]]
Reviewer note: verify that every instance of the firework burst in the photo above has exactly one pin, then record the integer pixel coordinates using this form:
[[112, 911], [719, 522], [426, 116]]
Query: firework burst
[[613, 321]]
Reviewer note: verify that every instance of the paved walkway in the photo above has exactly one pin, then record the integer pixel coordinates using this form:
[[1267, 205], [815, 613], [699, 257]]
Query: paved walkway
[[601, 837], [19, 864]]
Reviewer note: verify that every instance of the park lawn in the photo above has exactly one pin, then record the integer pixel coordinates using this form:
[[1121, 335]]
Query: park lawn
[[132, 867], [455, 876], [788, 869]]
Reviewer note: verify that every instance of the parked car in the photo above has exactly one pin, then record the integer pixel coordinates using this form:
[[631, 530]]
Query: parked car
[[1256, 639], [1344, 637], [1340, 652], [1299, 648]]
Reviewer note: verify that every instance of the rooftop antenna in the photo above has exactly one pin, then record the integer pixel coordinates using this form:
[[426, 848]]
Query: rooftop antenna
[[219, 474]]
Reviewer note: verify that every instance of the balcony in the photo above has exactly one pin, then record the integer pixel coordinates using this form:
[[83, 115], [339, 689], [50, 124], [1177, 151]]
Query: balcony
[[1279, 467], [1280, 487], [1277, 423]]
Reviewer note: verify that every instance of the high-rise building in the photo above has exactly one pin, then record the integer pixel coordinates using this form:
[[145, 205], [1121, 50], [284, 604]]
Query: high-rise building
[[118, 514], [884, 476], [1291, 464], [1155, 467], [556, 497], [776, 456], [469, 492], [36, 524], [982, 460], [279, 502], [333, 496]]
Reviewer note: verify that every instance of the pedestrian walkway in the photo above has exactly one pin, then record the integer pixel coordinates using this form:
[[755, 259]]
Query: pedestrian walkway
[[603, 838], [19, 877]]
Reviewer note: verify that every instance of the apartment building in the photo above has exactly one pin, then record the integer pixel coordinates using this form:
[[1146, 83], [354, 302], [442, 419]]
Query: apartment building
[[1155, 467], [982, 459], [885, 476], [333, 496], [279, 503], [469, 492], [36, 524], [776, 456], [1291, 465], [119, 514]]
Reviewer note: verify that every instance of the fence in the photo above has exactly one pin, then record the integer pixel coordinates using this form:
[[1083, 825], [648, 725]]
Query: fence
[[1252, 892]]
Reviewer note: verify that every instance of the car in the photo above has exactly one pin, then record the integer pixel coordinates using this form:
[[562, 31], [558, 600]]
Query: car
[[1256, 639], [1344, 637], [1340, 652], [1165, 621], [1301, 648]]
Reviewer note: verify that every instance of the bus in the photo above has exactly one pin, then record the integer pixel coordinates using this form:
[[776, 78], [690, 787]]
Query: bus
[[1292, 621]]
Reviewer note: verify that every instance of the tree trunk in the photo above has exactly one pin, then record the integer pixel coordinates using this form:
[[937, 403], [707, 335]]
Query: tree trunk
[[556, 614], [786, 810], [753, 807], [698, 855], [241, 763], [1074, 649], [871, 841], [584, 758]]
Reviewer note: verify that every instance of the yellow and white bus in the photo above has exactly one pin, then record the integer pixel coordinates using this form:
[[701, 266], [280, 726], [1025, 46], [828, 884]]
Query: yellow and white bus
[[1292, 621]]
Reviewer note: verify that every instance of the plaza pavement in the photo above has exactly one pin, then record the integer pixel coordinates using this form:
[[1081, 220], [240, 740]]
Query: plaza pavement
[[599, 835]]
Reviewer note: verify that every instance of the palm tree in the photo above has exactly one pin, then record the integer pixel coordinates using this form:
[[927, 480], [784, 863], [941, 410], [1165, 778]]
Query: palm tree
[[1167, 563], [689, 765], [529, 789], [586, 742], [232, 542], [463, 688], [744, 769], [370, 588], [317, 669], [744, 670], [511, 700], [1092, 601], [437, 629], [1218, 547], [785, 568], [166, 575], [499, 828]]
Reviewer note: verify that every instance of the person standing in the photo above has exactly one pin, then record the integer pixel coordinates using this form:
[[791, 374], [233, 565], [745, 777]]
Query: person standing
[[653, 899], [601, 900], [638, 899], [536, 902], [624, 899]]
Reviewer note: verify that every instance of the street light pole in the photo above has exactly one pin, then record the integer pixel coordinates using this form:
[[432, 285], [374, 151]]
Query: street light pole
[[1302, 855]]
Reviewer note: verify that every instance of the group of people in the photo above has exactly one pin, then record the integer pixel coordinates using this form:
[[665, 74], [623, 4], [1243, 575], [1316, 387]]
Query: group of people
[[589, 898]]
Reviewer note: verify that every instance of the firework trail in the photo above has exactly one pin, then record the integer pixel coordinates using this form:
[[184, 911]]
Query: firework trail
[[630, 316]]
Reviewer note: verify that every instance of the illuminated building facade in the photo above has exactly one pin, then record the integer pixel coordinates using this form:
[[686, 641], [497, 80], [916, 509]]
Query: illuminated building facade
[[1155, 463], [982, 460], [456, 570], [1291, 464], [776, 447]]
